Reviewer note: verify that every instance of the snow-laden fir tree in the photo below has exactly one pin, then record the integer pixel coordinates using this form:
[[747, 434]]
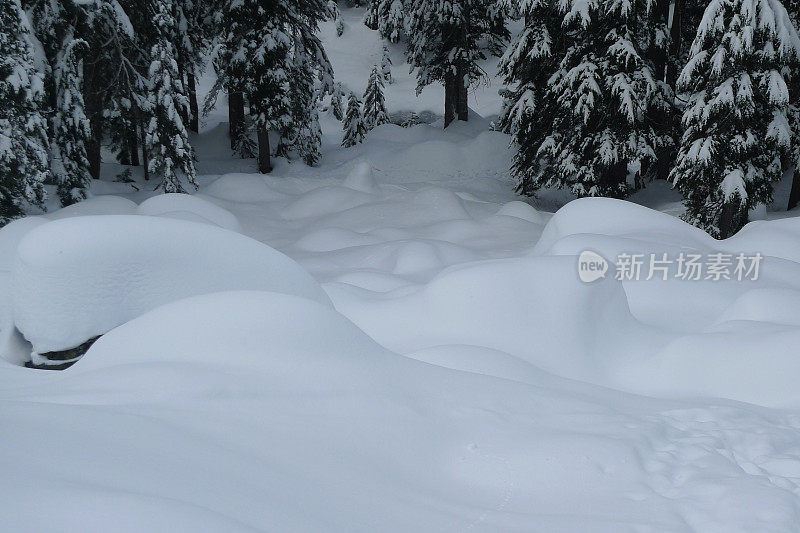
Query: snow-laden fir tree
[[23, 130], [244, 145], [386, 16], [71, 130], [309, 140], [386, 64], [793, 80], [171, 154], [447, 40], [582, 99], [337, 105], [272, 53], [527, 65], [736, 125], [354, 127], [375, 112]]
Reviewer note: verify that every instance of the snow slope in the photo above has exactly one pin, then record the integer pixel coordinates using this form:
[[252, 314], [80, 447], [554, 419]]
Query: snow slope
[[464, 378]]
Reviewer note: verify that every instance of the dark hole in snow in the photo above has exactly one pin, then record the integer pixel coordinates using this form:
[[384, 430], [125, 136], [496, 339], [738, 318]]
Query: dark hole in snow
[[61, 359]]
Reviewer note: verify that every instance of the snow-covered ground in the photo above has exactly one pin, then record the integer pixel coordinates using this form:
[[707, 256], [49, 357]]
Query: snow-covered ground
[[393, 341]]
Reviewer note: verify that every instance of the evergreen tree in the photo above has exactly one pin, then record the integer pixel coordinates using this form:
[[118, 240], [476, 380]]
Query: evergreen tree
[[354, 127], [336, 16], [23, 130], [580, 111], [375, 112], [386, 65], [336, 102], [167, 139], [793, 7], [309, 141], [272, 53], [526, 66], [736, 125], [386, 16], [71, 128], [447, 39]]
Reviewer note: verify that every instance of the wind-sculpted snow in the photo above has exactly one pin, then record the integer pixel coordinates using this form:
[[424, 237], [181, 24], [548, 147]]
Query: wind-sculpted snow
[[80, 277], [263, 411]]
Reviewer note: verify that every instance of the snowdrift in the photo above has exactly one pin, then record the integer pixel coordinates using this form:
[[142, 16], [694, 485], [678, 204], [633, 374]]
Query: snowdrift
[[78, 278]]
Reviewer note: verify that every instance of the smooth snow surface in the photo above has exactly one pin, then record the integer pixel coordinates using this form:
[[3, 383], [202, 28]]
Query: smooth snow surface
[[393, 341], [80, 277]]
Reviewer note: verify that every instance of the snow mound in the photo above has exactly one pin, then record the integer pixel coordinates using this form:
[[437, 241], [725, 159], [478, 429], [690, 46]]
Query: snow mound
[[493, 304], [244, 188], [96, 205], [610, 217], [324, 201], [776, 238], [295, 343], [81, 277], [521, 210], [361, 178], [188, 207]]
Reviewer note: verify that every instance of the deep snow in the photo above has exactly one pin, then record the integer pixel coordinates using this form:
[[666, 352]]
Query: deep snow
[[464, 378]]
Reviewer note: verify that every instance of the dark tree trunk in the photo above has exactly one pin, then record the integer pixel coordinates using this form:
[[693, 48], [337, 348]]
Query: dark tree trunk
[[124, 157], [450, 99], [461, 87], [184, 111], [145, 157], [264, 164], [794, 195], [133, 139], [235, 115], [733, 218], [93, 146], [677, 7], [93, 99], [194, 110]]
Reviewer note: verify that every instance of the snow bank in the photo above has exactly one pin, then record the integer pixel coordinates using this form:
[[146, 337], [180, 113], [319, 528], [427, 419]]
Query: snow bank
[[534, 309], [96, 205], [190, 207], [80, 277], [246, 188]]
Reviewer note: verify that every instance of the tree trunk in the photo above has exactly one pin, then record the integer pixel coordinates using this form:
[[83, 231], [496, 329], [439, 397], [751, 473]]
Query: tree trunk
[[450, 99], [133, 139], [145, 157], [194, 110], [794, 195], [235, 115], [674, 20], [94, 112], [264, 164], [461, 90], [733, 218]]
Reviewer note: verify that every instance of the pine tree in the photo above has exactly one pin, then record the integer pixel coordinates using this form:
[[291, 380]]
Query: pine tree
[[793, 80], [375, 112], [736, 125], [171, 153], [272, 53], [447, 39], [309, 141], [336, 102], [580, 110], [23, 130], [386, 65], [386, 16], [354, 127], [71, 130], [526, 66]]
